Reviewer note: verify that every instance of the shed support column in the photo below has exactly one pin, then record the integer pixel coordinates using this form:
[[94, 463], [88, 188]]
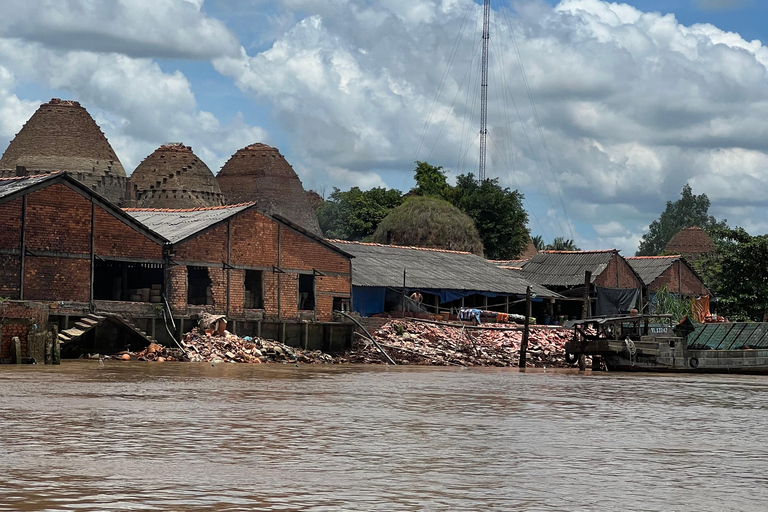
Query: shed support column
[[93, 258], [279, 259], [229, 258]]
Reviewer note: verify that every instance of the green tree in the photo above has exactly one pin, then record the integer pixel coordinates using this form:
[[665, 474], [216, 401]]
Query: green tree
[[498, 214], [538, 242], [355, 214], [688, 211], [430, 180], [737, 274], [562, 244]]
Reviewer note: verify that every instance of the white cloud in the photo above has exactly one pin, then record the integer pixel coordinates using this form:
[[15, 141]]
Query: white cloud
[[633, 104], [139, 28]]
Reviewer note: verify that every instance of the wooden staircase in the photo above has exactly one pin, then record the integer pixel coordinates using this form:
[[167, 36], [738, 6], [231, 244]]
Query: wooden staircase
[[92, 320]]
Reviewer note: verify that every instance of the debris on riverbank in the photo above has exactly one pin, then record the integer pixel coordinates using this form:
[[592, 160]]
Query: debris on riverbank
[[201, 346], [412, 342]]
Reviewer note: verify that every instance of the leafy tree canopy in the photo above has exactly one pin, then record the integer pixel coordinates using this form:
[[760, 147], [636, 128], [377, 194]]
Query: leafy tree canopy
[[430, 180], [688, 211], [737, 273], [562, 244], [498, 214], [354, 214]]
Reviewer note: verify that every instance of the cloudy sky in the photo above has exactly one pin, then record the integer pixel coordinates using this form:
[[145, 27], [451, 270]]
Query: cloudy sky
[[598, 112]]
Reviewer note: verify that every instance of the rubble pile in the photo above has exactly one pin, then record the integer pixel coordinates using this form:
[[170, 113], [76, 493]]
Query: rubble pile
[[209, 347], [159, 353], [411, 342]]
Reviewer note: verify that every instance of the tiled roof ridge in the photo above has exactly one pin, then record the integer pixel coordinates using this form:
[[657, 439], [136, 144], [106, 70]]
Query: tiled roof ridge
[[598, 251], [31, 176], [373, 244], [183, 210], [653, 257]]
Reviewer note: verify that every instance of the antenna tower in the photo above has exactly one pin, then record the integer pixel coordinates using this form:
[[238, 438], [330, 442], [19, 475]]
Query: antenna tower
[[484, 87]]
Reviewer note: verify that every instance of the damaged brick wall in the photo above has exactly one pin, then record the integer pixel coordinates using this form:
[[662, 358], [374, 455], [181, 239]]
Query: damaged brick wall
[[18, 318], [177, 289]]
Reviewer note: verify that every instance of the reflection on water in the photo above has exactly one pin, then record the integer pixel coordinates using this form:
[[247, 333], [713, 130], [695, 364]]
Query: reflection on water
[[144, 436]]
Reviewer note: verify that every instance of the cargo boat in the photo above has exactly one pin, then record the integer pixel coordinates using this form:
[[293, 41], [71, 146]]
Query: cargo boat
[[652, 344]]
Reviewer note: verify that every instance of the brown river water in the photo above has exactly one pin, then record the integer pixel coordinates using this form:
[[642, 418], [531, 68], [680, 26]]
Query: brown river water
[[192, 437]]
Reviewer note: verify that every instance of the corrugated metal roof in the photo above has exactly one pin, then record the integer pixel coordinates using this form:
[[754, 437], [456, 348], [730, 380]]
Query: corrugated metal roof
[[10, 186], [382, 265], [177, 225], [649, 268], [566, 268]]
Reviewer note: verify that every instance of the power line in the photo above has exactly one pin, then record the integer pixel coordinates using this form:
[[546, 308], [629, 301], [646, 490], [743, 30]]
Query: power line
[[484, 87]]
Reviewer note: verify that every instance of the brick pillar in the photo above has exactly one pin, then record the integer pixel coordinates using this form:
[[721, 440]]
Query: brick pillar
[[270, 294], [177, 289], [219, 289], [236, 291], [289, 296]]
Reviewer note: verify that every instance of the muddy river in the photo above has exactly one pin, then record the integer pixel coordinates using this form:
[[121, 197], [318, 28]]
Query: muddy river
[[189, 437]]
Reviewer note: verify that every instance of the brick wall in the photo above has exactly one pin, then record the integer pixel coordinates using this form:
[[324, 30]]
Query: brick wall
[[17, 319], [289, 295], [113, 237], [219, 288], [302, 253], [9, 277], [683, 281], [57, 279], [236, 291], [10, 235], [326, 288], [254, 240], [209, 247], [617, 274], [270, 293], [58, 219], [177, 289]]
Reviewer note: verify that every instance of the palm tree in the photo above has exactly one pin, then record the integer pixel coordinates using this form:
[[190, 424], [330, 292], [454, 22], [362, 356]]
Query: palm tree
[[562, 244], [538, 242]]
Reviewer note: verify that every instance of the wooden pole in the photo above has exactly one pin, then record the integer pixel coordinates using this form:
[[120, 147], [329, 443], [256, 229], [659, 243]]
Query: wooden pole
[[403, 293], [56, 350], [526, 330], [15, 350], [585, 313]]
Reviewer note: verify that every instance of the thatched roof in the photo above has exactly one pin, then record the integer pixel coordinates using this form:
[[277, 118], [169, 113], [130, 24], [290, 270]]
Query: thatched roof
[[174, 177], [259, 173], [62, 136], [429, 222], [690, 242]]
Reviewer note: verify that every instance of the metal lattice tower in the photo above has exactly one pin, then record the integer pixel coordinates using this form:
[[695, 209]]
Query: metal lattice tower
[[484, 87]]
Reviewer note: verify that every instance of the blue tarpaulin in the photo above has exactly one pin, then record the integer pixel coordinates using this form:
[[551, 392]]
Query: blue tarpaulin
[[368, 300]]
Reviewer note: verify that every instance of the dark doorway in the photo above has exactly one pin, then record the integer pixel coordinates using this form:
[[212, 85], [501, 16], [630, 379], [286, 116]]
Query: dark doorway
[[254, 289], [121, 280], [306, 292], [199, 290]]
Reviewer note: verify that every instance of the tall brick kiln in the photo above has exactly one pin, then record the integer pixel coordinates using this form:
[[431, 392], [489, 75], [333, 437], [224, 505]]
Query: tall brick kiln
[[259, 173], [62, 136], [173, 177]]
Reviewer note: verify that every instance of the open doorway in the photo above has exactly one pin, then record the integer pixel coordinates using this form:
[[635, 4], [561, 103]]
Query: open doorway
[[254, 289], [306, 292], [199, 289]]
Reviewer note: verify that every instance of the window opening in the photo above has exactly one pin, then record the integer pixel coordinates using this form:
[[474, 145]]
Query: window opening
[[341, 304], [306, 292], [127, 281], [254, 289], [199, 290]]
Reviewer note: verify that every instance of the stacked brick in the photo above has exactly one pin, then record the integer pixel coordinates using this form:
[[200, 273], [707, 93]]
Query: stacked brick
[[174, 177], [62, 136]]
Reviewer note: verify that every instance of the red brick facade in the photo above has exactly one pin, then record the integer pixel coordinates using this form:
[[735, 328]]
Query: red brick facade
[[261, 243], [679, 278], [115, 238], [618, 274], [18, 320]]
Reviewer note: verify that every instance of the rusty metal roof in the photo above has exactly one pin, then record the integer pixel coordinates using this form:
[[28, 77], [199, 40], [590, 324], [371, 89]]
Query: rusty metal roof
[[566, 268], [10, 186], [429, 268]]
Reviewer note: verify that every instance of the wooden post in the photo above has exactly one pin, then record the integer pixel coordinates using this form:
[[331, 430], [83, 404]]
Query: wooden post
[[403, 293], [56, 350], [15, 350], [526, 330], [587, 285], [48, 359], [258, 329]]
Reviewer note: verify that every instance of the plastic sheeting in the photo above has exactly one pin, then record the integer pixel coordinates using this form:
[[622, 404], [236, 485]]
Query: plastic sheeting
[[615, 301], [368, 300]]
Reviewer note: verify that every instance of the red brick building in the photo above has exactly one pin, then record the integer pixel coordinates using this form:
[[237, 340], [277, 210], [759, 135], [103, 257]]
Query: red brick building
[[674, 272], [69, 247]]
